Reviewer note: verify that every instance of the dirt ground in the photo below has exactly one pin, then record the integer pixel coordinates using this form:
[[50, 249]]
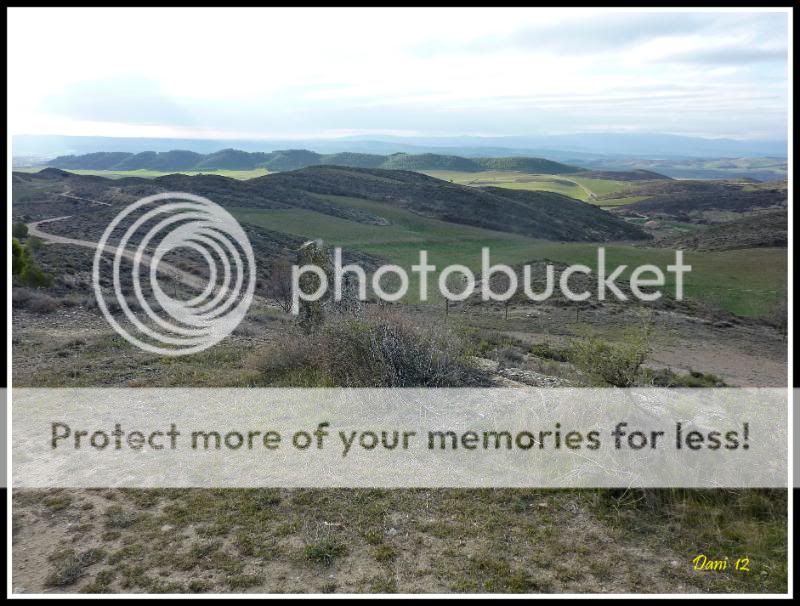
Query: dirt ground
[[406, 541], [392, 541]]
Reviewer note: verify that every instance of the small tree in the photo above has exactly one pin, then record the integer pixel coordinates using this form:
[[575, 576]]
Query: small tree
[[19, 230], [312, 314], [279, 284], [618, 363], [33, 244], [456, 283], [17, 256], [24, 266], [32, 275]]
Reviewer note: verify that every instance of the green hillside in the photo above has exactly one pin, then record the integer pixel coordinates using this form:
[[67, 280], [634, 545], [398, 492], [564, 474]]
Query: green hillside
[[526, 165], [293, 159]]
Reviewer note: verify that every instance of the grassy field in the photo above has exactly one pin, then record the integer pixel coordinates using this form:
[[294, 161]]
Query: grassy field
[[620, 201], [580, 188], [151, 174], [603, 187], [514, 180], [744, 282]]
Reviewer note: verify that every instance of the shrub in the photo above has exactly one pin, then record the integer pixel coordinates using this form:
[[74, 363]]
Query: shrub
[[667, 378], [389, 351], [509, 356], [117, 517], [69, 566], [33, 244], [35, 301], [17, 254], [616, 364], [550, 352], [279, 284], [32, 275], [311, 314], [19, 230], [324, 552], [24, 265], [287, 363]]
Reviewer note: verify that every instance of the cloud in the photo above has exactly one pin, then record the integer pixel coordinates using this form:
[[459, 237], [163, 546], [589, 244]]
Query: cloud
[[728, 55], [434, 71], [619, 32], [604, 32], [130, 100]]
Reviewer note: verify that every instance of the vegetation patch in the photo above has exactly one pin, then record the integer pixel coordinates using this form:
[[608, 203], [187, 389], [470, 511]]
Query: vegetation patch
[[324, 552], [69, 565]]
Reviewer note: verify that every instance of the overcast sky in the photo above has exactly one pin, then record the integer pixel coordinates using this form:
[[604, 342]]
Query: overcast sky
[[268, 73]]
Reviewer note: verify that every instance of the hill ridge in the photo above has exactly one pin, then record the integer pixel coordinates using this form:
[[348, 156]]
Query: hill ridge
[[535, 214], [293, 159]]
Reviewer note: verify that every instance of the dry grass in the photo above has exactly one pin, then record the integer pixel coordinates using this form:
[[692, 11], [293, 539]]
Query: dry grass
[[387, 349]]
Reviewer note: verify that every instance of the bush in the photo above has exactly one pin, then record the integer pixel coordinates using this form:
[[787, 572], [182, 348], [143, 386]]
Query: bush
[[324, 552], [41, 303], [509, 356], [24, 265], [550, 352], [32, 275], [69, 566], [616, 364], [390, 354], [35, 301], [667, 378], [390, 351], [17, 254], [19, 230]]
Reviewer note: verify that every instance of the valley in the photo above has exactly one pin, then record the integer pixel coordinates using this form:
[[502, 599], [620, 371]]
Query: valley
[[729, 331]]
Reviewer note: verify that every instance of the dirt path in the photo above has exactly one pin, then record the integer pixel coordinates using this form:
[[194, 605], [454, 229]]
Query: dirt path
[[71, 197], [590, 195], [163, 267]]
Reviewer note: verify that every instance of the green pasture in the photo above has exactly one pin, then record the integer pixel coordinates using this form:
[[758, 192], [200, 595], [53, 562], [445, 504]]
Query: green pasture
[[580, 188], [745, 282]]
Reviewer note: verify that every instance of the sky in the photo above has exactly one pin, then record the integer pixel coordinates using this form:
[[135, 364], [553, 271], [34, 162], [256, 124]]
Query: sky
[[303, 73]]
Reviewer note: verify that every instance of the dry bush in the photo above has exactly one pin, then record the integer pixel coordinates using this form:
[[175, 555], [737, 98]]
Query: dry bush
[[387, 351], [510, 357], [778, 314], [279, 284], [617, 363], [34, 300]]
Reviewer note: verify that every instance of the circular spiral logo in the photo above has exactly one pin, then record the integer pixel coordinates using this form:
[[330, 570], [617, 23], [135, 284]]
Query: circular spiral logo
[[158, 226]]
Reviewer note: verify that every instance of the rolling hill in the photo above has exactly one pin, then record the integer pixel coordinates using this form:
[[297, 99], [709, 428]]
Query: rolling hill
[[293, 159], [392, 215], [693, 200], [759, 230], [534, 214]]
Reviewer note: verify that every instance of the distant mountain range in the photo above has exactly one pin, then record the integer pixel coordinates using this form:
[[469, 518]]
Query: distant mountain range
[[293, 159], [573, 148]]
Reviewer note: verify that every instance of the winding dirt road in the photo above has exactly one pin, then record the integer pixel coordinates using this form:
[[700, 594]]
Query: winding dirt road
[[174, 272]]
